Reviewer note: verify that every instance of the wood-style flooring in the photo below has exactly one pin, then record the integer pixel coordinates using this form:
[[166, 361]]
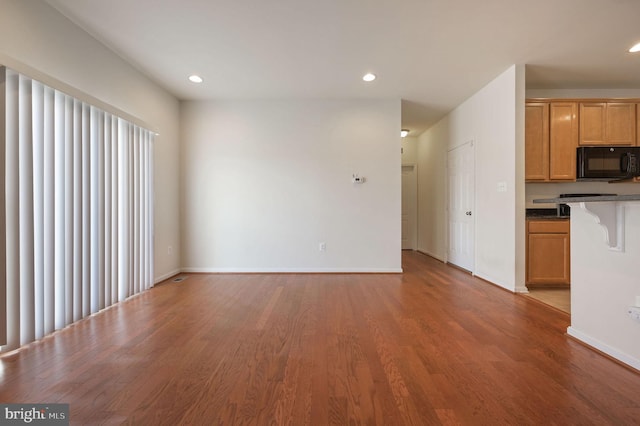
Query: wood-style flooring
[[431, 346], [559, 298]]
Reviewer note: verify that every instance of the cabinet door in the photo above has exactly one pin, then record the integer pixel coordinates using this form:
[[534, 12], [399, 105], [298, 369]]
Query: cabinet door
[[536, 141], [563, 140], [593, 123], [548, 259], [621, 123]]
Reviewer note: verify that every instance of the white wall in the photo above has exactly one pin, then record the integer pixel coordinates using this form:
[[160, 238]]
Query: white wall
[[604, 283], [432, 194], [264, 182], [36, 40], [409, 150], [494, 119], [520, 189]]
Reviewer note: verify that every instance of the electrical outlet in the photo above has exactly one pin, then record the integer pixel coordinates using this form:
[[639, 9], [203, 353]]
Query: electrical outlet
[[634, 312], [322, 246]]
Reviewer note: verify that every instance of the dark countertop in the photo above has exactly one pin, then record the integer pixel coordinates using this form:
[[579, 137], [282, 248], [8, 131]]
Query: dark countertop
[[548, 217], [600, 198], [544, 214]]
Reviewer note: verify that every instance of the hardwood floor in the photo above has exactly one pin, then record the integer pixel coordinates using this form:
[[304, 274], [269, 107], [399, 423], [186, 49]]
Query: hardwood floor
[[430, 346]]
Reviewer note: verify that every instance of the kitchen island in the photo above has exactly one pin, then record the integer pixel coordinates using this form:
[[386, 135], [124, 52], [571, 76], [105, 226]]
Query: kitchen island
[[605, 269]]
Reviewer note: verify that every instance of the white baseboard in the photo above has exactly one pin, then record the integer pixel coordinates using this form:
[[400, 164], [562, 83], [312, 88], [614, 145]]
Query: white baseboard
[[293, 270], [495, 282], [166, 276], [427, 253], [604, 348]]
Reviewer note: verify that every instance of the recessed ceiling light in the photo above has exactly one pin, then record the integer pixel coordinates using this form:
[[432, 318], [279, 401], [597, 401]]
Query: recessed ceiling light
[[404, 133], [195, 79], [369, 77], [635, 48]]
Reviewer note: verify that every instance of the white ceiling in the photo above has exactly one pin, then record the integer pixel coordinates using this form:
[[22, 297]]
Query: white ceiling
[[432, 54]]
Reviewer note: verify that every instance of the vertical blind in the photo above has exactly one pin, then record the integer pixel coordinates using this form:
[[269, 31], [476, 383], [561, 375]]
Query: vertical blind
[[78, 209]]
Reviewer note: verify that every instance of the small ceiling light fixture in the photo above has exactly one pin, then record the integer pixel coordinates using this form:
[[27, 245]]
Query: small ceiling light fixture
[[369, 77], [195, 79], [404, 133], [635, 48]]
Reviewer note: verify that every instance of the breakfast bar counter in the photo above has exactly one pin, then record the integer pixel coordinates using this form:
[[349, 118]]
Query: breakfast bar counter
[[595, 198], [605, 283]]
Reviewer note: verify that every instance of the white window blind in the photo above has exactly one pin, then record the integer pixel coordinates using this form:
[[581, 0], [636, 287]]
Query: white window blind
[[78, 204]]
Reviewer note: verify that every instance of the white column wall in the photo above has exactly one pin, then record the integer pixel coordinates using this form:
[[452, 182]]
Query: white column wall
[[494, 119]]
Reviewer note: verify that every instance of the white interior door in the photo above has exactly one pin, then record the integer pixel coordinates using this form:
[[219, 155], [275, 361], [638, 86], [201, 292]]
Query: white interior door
[[409, 207], [461, 171]]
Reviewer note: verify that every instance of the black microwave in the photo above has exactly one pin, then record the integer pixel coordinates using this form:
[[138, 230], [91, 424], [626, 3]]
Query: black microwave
[[607, 162]]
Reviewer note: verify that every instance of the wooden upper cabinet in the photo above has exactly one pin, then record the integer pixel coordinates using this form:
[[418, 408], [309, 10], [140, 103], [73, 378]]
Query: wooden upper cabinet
[[551, 138], [554, 128], [608, 123], [563, 140], [592, 123], [536, 141], [621, 123]]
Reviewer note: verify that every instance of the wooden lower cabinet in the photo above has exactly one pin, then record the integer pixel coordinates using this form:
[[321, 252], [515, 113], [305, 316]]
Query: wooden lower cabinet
[[548, 253]]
